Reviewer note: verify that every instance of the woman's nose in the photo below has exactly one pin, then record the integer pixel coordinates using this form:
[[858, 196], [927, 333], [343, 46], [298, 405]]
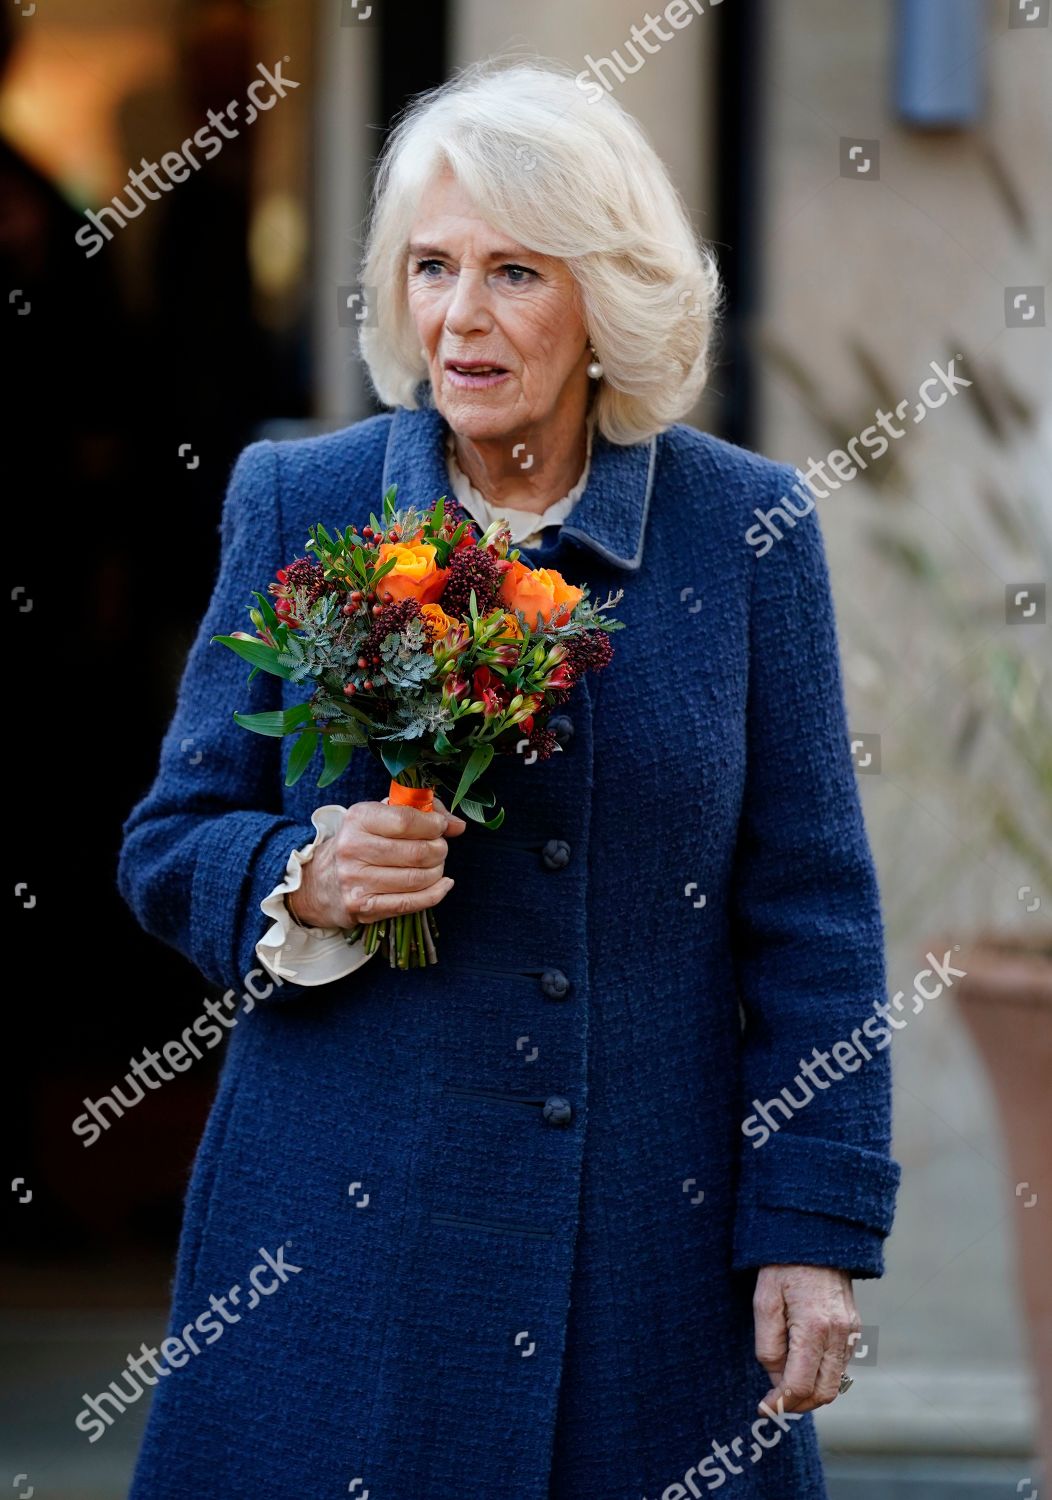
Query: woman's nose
[[468, 308]]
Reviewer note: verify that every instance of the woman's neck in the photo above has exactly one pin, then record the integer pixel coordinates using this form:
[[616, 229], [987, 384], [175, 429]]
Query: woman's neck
[[528, 470]]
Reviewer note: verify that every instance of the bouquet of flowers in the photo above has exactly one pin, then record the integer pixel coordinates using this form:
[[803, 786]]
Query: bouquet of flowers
[[434, 646]]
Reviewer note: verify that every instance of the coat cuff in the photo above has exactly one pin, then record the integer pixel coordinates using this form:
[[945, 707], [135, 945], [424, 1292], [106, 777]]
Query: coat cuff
[[241, 858], [804, 1201]]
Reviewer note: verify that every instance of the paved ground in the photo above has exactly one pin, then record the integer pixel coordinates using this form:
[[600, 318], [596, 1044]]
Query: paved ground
[[930, 1479]]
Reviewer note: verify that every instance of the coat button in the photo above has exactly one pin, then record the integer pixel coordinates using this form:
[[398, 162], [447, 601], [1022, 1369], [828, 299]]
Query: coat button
[[556, 854], [562, 728], [557, 1110], [555, 984]]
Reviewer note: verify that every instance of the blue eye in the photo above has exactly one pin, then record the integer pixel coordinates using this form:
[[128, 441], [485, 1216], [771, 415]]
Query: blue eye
[[422, 266], [519, 275]]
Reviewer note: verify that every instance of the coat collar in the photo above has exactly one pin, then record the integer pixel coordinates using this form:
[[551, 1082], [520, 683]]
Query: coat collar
[[610, 517]]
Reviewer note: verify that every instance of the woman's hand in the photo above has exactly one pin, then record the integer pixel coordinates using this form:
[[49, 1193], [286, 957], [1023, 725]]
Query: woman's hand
[[805, 1317], [384, 862]]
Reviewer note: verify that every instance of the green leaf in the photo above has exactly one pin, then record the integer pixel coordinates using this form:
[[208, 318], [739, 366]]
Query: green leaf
[[398, 756], [478, 760], [326, 708], [459, 533], [472, 809], [266, 609], [348, 729], [359, 714], [302, 755], [276, 722], [337, 757], [257, 653]]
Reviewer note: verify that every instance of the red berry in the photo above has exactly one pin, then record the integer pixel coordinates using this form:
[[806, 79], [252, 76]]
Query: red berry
[[367, 685], [362, 662], [349, 690], [377, 608], [348, 609], [367, 531]]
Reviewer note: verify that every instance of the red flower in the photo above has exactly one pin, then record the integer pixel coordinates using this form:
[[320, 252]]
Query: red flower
[[455, 686], [560, 676], [495, 694]]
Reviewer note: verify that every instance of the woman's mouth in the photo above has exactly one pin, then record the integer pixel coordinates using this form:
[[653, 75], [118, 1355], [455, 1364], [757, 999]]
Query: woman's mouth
[[474, 375]]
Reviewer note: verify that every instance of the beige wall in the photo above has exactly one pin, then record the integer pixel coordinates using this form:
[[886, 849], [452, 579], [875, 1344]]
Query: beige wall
[[670, 95]]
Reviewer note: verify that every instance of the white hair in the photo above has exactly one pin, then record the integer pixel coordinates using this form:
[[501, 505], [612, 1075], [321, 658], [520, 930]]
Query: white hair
[[567, 178]]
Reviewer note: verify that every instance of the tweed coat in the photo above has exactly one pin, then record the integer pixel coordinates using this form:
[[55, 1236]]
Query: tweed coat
[[524, 1215]]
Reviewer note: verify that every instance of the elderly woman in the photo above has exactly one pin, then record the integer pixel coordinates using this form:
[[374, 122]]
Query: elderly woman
[[575, 1212]]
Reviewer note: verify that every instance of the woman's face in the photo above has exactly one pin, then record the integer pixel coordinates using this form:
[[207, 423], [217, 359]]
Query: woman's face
[[482, 301]]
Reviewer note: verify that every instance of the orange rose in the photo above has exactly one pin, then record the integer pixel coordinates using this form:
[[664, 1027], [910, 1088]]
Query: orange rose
[[414, 575], [438, 621], [541, 591], [512, 627]]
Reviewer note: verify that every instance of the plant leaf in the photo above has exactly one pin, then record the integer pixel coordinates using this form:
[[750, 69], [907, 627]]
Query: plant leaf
[[256, 653], [266, 609], [276, 722], [472, 809], [337, 758], [478, 760], [302, 755], [398, 756]]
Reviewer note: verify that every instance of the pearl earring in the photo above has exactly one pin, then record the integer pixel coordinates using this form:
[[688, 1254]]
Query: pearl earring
[[595, 369]]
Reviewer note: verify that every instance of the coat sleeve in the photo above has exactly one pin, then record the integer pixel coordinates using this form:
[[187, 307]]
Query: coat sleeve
[[209, 839], [816, 1184]]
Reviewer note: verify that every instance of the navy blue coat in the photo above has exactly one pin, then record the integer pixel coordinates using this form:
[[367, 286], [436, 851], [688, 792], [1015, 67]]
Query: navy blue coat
[[524, 1212]]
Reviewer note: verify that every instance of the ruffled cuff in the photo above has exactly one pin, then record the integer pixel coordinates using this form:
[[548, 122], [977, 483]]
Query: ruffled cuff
[[291, 950]]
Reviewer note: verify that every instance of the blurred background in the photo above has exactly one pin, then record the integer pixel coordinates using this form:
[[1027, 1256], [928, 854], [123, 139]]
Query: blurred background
[[877, 181]]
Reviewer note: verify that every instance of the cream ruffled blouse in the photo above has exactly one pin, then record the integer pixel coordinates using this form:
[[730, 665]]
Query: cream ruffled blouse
[[316, 955]]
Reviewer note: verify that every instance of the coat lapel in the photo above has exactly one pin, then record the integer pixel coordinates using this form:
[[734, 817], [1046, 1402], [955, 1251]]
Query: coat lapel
[[610, 517]]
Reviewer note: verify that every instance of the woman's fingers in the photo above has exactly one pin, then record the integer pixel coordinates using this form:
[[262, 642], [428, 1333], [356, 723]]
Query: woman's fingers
[[391, 859], [401, 903], [772, 1342], [360, 880], [813, 1309], [808, 1349], [455, 824]]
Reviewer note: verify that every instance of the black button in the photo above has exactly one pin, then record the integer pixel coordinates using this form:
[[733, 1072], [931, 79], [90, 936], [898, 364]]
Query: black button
[[557, 1110], [562, 728], [556, 854], [555, 984]]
